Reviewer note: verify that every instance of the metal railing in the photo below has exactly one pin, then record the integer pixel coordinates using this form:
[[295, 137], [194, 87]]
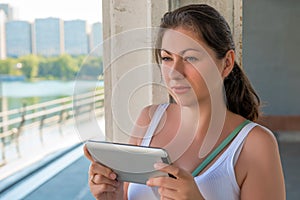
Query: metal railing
[[47, 114]]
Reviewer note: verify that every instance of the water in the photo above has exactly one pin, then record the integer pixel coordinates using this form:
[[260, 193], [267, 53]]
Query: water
[[19, 93]]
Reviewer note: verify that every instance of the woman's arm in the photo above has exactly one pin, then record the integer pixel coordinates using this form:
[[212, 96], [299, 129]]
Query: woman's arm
[[264, 176]]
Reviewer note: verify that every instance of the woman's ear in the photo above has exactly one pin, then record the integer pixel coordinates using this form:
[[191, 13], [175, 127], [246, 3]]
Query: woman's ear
[[228, 63]]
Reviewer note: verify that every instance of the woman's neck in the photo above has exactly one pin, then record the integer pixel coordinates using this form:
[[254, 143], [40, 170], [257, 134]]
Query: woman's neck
[[209, 118]]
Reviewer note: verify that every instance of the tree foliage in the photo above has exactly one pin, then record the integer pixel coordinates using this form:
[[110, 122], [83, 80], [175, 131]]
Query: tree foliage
[[6, 66], [64, 67], [29, 65], [91, 67]]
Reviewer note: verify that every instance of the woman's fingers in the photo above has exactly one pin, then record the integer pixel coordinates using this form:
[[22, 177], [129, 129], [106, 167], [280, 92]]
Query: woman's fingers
[[99, 179], [183, 187], [96, 168], [101, 188], [103, 184], [163, 181], [171, 183], [102, 177], [102, 180], [167, 193], [171, 169], [87, 153]]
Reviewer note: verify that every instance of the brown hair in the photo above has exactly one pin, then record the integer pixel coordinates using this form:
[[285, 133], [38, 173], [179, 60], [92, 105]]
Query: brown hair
[[214, 30]]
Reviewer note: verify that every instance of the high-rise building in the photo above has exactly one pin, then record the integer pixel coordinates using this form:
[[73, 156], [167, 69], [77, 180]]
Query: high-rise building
[[96, 39], [18, 38], [48, 37], [7, 10], [75, 35]]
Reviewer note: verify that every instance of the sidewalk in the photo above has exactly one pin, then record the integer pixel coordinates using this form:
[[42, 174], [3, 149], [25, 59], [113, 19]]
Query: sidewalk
[[66, 186]]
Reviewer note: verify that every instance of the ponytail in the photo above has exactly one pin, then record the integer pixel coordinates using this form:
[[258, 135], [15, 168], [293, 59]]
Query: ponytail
[[241, 97]]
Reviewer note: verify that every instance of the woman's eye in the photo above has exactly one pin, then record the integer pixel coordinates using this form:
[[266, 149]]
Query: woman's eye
[[190, 59], [165, 58]]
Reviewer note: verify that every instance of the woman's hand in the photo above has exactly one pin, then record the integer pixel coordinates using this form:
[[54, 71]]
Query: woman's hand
[[181, 188], [102, 181]]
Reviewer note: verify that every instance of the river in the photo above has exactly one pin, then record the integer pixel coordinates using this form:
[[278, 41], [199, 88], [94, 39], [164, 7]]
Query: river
[[20, 92]]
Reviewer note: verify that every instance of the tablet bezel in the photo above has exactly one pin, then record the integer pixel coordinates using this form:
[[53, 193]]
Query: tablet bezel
[[131, 163]]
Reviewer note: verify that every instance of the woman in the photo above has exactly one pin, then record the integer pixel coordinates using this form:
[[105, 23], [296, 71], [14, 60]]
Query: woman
[[214, 106]]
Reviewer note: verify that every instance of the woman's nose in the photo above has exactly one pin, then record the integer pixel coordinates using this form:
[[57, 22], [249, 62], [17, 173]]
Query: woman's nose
[[176, 71]]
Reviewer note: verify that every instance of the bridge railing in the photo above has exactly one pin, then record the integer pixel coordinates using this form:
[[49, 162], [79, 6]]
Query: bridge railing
[[46, 115]]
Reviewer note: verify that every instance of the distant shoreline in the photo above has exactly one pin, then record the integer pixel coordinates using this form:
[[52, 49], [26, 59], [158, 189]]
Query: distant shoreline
[[8, 78]]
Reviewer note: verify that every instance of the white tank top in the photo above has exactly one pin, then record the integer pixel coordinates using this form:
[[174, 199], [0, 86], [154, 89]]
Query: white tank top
[[217, 182]]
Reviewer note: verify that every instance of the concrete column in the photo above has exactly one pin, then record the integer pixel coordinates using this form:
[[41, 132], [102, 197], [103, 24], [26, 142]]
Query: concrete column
[[132, 80], [128, 62]]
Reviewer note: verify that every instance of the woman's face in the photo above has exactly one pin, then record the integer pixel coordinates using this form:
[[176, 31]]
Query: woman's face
[[190, 68]]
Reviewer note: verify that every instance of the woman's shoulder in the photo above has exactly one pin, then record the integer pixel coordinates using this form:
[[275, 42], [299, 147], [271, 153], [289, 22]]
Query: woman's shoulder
[[260, 166], [260, 146], [260, 136], [148, 111], [143, 121]]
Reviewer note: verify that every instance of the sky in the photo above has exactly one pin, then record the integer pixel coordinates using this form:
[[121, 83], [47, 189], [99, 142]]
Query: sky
[[28, 10]]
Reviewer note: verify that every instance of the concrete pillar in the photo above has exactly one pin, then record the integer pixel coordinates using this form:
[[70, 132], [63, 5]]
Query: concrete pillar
[[128, 62], [130, 76]]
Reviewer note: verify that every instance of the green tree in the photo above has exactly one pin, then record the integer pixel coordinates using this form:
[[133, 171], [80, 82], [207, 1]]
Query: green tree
[[91, 68], [45, 68], [30, 65], [65, 67], [8, 66], [61, 67]]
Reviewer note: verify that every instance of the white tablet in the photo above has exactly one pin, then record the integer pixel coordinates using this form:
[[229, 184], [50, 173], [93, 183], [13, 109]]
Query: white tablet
[[130, 163]]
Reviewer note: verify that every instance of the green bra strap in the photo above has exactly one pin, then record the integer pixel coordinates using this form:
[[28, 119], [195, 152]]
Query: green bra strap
[[219, 148]]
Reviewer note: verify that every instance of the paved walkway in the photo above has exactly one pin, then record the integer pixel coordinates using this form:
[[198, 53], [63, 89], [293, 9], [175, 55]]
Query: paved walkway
[[69, 184]]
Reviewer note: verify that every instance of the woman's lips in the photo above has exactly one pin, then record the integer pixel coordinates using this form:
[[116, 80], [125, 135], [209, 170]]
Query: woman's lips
[[180, 89]]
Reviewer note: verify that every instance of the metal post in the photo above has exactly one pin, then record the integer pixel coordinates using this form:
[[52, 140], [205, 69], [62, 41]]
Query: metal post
[[41, 126]]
